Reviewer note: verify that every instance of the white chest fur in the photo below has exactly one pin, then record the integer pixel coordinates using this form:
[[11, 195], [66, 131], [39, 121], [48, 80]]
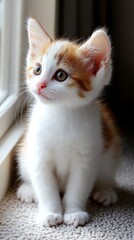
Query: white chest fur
[[55, 125], [58, 135]]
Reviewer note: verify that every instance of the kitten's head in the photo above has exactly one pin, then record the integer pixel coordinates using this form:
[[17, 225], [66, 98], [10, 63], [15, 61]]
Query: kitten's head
[[60, 71]]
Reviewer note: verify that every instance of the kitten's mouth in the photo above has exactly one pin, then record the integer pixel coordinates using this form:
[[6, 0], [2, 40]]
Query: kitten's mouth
[[46, 95]]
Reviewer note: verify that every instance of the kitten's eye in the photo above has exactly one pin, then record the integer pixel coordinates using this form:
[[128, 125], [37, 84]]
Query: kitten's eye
[[37, 69], [60, 75]]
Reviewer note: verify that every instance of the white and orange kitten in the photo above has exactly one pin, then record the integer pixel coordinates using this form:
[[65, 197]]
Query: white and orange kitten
[[71, 144]]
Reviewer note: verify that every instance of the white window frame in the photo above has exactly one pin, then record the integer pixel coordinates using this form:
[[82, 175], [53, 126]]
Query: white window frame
[[21, 9], [10, 59]]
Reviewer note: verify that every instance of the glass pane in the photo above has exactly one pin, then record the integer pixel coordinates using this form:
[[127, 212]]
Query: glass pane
[[3, 90], [0, 34]]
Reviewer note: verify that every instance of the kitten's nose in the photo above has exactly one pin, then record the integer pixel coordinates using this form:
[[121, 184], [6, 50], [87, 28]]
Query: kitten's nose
[[40, 85]]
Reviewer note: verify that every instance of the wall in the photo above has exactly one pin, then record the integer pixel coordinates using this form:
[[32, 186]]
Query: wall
[[122, 20], [43, 11]]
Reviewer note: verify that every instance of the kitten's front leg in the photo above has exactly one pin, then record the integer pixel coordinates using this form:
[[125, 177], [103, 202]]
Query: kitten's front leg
[[46, 189], [78, 189]]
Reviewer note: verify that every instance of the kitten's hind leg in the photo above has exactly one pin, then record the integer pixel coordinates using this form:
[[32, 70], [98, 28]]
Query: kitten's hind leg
[[104, 192], [105, 196], [26, 193]]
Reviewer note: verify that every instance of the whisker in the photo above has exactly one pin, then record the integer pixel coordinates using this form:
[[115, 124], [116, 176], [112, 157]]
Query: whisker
[[21, 102], [25, 105]]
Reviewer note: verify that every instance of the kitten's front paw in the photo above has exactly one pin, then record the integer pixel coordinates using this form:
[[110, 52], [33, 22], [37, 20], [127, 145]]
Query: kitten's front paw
[[76, 219], [49, 219], [106, 197], [26, 193]]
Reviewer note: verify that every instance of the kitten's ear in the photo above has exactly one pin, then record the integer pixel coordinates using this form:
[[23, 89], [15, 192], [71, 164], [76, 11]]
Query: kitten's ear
[[37, 36], [97, 49]]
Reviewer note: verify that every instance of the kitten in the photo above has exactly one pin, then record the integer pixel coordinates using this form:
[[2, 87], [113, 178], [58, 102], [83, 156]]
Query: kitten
[[71, 144]]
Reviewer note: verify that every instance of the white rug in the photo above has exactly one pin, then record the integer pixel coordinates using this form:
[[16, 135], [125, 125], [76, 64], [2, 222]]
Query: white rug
[[18, 220]]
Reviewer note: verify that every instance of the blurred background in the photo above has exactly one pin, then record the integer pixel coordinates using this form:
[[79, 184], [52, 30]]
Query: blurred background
[[77, 19]]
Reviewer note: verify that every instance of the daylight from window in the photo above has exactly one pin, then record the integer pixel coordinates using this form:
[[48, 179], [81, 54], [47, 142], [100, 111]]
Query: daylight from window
[[10, 45], [3, 85], [0, 49]]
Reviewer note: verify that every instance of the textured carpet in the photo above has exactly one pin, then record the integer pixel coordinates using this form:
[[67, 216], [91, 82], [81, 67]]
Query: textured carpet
[[18, 220]]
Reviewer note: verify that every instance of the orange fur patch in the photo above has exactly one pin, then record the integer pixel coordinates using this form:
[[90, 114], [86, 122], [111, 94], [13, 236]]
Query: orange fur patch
[[81, 94], [70, 56], [29, 72], [29, 68], [110, 132], [29, 75]]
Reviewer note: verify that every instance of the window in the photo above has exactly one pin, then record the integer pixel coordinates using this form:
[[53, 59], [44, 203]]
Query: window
[[13, 15], [2, 93], [10, 56]]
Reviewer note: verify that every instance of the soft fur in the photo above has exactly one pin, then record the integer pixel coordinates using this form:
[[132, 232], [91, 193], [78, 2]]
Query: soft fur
[[71, 144]]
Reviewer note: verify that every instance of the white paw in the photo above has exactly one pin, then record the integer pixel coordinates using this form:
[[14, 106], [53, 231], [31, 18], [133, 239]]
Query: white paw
[[76, 218], [49, 219], [106, 197], [26, 193]]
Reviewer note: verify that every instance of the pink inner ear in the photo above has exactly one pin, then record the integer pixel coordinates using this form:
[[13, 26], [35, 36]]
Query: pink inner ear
[[99, 40], [97, 50], [93, 60], [96, 62]]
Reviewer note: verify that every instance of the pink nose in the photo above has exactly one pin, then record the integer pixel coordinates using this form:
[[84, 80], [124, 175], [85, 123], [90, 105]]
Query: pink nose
[[40, 86]]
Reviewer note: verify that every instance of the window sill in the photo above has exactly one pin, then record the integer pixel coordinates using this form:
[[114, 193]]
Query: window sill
[[7, 144], [7, 112], [10, 139]]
